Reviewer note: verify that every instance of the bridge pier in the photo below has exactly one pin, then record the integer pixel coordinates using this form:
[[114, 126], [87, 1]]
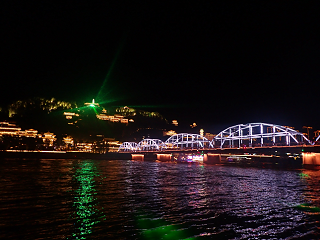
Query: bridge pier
[[164, 157], [151, 156], [211, 158], [311, 158], [137, 157]]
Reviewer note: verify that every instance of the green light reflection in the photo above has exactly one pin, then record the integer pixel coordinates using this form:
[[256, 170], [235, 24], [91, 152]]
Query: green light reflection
[[158, 228], [304, 175], [86, 213]]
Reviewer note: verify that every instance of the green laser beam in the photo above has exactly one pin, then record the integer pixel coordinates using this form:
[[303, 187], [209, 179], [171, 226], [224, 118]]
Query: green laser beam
[[99, 98]]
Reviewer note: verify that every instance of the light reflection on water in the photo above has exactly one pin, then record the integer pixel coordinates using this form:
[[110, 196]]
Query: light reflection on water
[[85, 199], [89, 199]]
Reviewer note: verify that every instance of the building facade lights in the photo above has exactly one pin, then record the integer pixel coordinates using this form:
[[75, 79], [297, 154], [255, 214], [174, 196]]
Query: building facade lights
[[49, 138], [68, 140], [175, 122], [201, 132], [7, 128]]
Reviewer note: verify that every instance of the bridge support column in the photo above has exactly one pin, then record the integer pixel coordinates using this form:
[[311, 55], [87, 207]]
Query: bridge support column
[[273, 136], [164, 157], [311, 158], [211, 158], [138, 157], [250, 135], [261, 132]]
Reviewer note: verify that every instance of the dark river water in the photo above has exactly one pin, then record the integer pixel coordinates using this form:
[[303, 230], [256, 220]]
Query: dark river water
[[103, 199]]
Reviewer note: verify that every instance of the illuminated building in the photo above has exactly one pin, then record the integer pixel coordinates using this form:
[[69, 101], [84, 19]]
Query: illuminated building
[[49, 138], [69, 115], [7, 128], [122, 114], [12, 129], [125, 109], [114, 118], [84, 147], [193, 125], [124, 120], [30, 133], [68, 140], [103, 117], [103, 146], [201, 132], [175, 122], [112, 144], [169, 133]]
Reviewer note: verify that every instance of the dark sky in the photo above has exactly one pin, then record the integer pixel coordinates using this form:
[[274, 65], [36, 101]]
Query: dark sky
[[216, 64]]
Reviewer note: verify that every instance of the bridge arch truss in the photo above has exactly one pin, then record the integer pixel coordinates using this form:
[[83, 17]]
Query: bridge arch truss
[[128, 147], [187, 141], [259, 134], [151, 145]]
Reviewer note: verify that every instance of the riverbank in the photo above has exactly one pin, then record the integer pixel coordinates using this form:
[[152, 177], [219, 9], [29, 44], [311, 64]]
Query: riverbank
[[279, 163], [64, 155]]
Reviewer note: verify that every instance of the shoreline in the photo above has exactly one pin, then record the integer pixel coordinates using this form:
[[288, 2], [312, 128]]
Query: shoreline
[[60, 155], [64, 155]]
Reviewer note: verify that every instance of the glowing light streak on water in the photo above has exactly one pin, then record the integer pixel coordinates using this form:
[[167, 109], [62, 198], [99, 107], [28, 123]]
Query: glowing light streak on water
[[84, 200]]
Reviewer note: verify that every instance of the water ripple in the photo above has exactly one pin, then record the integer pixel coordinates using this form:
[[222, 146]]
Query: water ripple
[[87, 199]]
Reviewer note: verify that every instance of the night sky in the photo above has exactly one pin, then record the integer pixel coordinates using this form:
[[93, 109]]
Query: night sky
[[216, 64]]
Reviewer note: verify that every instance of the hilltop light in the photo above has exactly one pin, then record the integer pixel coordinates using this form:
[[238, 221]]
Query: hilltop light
[[92, 104]]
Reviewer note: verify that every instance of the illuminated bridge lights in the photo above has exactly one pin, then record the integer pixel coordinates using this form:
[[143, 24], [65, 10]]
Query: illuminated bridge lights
[[151, 144], [187, 141], [175, 142], [242, 135], [128, 147], [262, 134]]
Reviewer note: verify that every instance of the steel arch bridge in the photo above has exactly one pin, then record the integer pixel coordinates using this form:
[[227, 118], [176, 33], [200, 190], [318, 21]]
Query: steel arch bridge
[[151, 145], [187, 141], [128, 147], [258, 134], [241, 135]]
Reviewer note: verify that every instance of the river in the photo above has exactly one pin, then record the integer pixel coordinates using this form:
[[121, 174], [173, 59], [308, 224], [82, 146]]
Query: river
[[120, 199]]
